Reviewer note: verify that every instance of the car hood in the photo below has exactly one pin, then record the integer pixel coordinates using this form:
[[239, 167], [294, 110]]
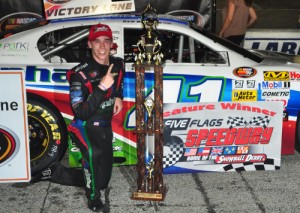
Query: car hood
[[276, 57]]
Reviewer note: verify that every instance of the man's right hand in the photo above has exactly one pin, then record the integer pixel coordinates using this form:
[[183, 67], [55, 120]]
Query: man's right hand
[[108, 80]]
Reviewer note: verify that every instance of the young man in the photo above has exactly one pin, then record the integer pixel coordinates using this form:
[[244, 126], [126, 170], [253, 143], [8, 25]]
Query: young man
[[96, 93]]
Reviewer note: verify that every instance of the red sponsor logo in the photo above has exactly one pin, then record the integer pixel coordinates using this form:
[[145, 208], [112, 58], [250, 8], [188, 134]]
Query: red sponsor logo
[[228, 136], [295, 76], [245, 72]]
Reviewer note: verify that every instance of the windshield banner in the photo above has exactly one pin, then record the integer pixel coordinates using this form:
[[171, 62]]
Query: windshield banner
[[14, 13], [57, 9], [222, 137]]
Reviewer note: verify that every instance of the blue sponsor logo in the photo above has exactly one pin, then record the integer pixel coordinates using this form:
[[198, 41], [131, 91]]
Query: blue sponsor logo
[[275, 85]]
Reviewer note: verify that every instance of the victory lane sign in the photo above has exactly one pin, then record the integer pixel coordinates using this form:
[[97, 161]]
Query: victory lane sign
[[14, 141]]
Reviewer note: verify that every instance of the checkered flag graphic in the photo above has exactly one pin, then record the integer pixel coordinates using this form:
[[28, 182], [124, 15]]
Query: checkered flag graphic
[[269, 164], [236, 122], [260, 121], [176, 151]]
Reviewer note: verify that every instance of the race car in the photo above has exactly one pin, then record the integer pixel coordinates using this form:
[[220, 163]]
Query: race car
[[198, 66]]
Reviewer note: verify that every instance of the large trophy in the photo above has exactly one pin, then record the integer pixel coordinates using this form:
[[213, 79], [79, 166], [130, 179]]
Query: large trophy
[[149, 113]]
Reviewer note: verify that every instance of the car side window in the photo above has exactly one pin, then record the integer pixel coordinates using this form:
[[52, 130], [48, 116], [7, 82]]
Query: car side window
[[67, 45], [176, 47]]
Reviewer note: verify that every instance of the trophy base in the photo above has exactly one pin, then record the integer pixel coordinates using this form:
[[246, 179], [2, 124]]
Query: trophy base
[[152, 196]]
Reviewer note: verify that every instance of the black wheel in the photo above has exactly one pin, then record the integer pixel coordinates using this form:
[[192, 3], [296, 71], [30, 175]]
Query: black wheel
[[48, 135], [297, 140]]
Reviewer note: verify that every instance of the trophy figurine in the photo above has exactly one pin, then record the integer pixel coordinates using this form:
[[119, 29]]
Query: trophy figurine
[[149, 104], [149, 113], [149, 46], [150, 169]]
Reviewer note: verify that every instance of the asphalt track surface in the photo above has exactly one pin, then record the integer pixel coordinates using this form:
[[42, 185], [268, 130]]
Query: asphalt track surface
[[252, 191]]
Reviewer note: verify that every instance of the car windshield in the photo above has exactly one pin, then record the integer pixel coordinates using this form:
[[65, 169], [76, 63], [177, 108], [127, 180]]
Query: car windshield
[[228, 44]]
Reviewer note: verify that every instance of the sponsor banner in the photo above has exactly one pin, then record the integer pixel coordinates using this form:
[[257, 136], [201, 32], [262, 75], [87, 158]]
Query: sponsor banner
[[14, 141], [57, 9], [285, 41], [224, 136]]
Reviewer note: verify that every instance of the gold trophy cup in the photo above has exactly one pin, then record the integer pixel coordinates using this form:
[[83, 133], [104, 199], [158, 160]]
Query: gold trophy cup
[[149, 46]]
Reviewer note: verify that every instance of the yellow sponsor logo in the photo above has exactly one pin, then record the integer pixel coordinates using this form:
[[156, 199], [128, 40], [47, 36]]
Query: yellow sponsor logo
[[244, 95], [276, 76]]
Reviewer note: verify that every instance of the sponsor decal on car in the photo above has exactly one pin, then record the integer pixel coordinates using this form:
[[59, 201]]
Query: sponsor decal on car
[[241, 84], [16, 19], [191, 16], [275, 93], [244, 72], [15, 46], [276, 76], [58, 1], [250, 83], [295, 76], [275, 85], [244, 95]]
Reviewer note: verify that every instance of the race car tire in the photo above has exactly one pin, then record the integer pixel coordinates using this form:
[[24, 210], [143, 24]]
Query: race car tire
[[48, 138], [297, 140]]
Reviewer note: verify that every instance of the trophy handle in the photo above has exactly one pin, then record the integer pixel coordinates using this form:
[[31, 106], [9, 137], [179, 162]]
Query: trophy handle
[[157, 43], [140, 46]]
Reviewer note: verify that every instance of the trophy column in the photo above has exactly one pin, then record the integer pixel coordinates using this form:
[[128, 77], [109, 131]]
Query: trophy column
[[158, 135], [150, 184], [149, 122], [140, 126]]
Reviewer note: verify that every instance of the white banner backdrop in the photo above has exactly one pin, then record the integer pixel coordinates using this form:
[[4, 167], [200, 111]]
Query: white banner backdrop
[[225, 136], [14, 141]]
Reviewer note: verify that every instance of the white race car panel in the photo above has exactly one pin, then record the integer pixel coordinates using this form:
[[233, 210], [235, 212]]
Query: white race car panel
[[198, 67]]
